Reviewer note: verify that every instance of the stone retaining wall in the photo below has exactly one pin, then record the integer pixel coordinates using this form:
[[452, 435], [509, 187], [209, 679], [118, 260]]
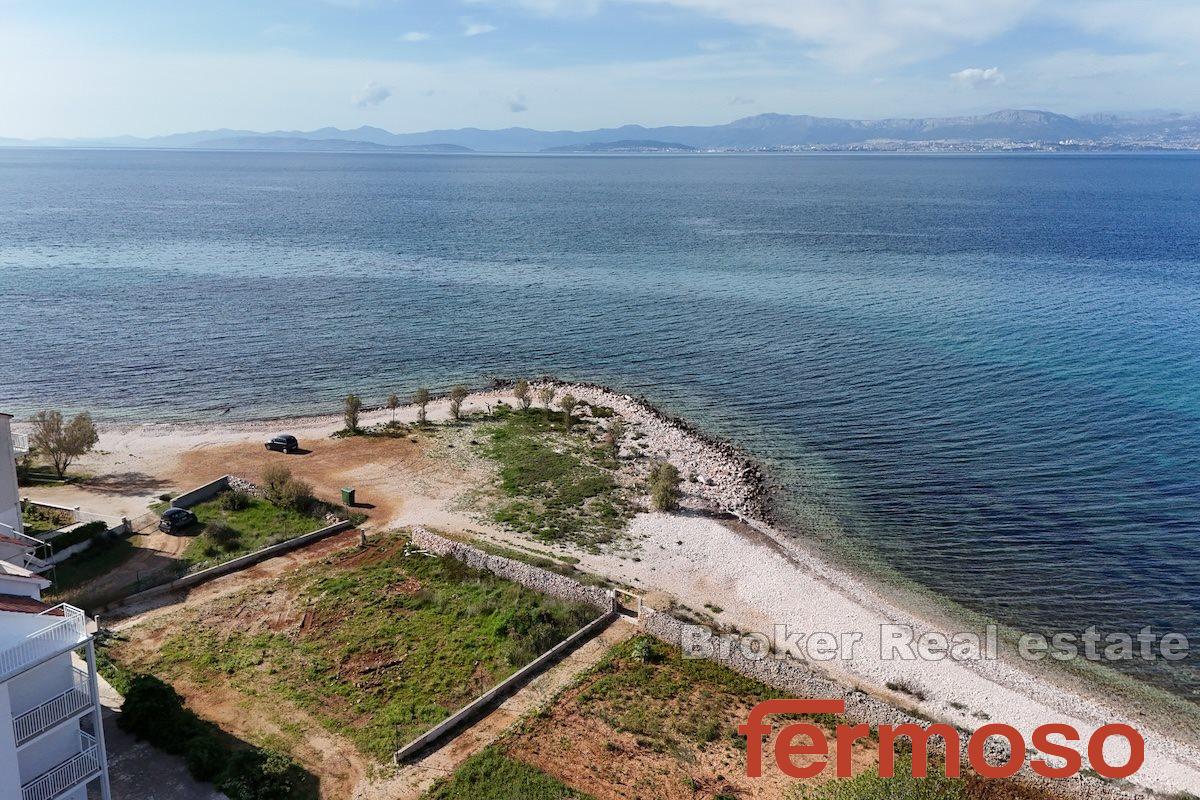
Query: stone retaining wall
[[529, 576]]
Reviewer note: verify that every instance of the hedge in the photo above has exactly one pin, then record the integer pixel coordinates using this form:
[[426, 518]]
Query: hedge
[[90, 530]]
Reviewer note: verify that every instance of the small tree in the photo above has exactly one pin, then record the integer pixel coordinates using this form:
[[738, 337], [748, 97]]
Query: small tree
[[421, 399], [546, 394], [457, 395], [63, 442], [567, 404], [613, 436], [351, 407], [664, 486], [285, 491], [393, 402], [521, 392]]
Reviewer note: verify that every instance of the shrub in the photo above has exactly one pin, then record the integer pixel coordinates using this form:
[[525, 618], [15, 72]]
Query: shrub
[[96, 531], [235, 500], [285, 491], [205, 757], [259, 775], [421, 399], [154, 711]]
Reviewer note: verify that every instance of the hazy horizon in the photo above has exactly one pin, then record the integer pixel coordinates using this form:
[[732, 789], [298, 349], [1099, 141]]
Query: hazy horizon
[[143, 69]]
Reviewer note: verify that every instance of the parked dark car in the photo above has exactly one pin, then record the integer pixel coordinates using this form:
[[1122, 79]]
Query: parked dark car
[[175, 520], [284, 443]]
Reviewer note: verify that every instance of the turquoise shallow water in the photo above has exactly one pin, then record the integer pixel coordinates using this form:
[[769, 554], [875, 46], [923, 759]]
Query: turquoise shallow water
[[985, 370]]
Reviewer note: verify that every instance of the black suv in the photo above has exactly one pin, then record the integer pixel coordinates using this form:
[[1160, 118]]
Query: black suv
[[175, 520], [284, 443]]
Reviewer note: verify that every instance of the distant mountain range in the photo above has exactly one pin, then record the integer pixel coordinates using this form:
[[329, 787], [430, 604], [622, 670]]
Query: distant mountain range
[[761, 132], [623, 146]]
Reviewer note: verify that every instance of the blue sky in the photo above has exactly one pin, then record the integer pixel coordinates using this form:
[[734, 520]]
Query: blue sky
[[82, 68]]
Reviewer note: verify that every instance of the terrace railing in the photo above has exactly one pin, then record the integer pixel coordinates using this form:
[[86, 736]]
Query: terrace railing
[[56, 710], [20, 443], [76, 770], [66, 629]]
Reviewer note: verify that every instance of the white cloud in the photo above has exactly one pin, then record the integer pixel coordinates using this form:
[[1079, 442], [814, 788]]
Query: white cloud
[[477, 28], [416, 36], [516, 103], [372, 95], [741, 100], [978, 77]]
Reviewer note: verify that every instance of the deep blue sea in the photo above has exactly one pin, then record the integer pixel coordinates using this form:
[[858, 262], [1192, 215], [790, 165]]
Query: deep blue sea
[[985, 370]]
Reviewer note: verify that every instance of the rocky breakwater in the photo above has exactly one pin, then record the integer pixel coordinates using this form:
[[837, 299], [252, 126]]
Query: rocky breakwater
[[716, 472]]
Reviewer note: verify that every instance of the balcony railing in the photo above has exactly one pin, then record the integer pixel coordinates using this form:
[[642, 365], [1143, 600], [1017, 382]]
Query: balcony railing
[[37, 721], [66, 629], [20, 443], [76, 770]]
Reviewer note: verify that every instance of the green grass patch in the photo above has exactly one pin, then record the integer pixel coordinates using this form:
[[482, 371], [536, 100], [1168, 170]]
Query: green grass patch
[[224, 534], [553, 484], [96, 561], [492, 775], [383, 645]]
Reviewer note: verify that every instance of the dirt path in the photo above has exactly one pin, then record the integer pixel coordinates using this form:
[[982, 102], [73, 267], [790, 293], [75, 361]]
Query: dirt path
[[413, 780]]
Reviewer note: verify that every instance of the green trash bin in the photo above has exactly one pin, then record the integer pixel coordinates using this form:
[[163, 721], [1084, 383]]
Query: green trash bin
[[347, 497]]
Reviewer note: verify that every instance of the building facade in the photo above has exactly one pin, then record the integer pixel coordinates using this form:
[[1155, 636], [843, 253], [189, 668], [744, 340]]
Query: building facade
[[51, 736]]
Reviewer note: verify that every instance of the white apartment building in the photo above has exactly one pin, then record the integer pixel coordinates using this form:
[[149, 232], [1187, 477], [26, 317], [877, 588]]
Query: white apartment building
[[51, 738]]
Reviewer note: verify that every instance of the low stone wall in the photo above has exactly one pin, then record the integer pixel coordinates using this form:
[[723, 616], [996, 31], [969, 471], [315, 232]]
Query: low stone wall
[[529, 576], [201, 493]]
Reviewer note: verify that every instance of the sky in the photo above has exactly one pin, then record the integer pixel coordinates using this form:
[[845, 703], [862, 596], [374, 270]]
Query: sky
[[78, 68]]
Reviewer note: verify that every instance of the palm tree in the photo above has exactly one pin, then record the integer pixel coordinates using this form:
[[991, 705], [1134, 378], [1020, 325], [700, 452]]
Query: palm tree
[[521, 392], [420, 398], [567, 404], [457, 395]]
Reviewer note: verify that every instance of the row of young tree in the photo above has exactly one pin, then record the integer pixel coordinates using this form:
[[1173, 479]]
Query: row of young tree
[[352, 406]]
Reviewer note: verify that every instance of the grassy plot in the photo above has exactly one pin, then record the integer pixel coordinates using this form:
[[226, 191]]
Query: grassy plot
[[646, 722], [378, 644], [97, 560], [491, 775], [553, 484], [37, 520], [229, 530]]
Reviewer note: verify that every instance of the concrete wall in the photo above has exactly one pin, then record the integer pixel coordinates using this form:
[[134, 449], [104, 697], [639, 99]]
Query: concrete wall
[[201, 493], [529, 576], [233, 565], [10, 500]]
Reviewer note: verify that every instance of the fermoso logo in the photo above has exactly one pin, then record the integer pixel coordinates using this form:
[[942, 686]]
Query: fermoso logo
[[1068, 762]]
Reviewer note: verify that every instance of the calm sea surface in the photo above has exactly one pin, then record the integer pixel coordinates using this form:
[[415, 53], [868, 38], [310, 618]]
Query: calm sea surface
[[985, 370]]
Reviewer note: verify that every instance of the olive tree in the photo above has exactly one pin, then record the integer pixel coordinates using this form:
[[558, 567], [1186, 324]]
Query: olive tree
[[664, 486], [567, 404], [351, 407], [546, 394], [62, 441], [521, 392], [393, 402], [420, 398], [457, 395]]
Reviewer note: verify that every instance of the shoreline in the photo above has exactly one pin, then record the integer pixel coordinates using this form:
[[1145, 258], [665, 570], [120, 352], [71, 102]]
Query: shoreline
[[730, 482]]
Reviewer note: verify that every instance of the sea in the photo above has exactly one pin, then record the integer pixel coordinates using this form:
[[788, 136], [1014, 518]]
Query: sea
[[982, 371]]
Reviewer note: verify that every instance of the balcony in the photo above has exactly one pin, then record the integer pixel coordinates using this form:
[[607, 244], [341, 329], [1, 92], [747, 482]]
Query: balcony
[[63, 628], [36, 721], [75, 771], [20, 443]]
